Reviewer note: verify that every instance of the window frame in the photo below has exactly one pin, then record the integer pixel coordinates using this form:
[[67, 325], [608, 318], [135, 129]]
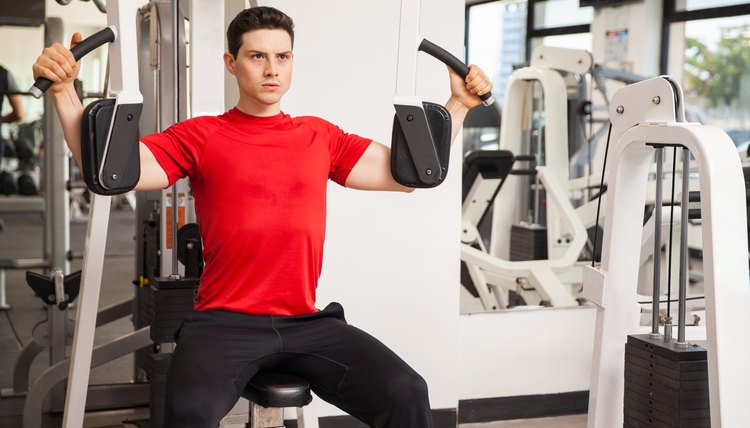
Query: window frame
[[532, 33], [671, 15]]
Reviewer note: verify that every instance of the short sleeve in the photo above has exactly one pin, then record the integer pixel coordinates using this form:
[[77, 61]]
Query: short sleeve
[[179, 148], [12, 86], [346, 150]]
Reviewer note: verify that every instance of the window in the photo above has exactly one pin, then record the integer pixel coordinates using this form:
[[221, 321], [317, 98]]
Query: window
[[561, 13], [560, 23], [705, 4], [496, 39], [708, 53]]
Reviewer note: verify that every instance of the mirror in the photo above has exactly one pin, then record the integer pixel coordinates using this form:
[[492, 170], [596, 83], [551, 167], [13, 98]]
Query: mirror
[[527, 217]]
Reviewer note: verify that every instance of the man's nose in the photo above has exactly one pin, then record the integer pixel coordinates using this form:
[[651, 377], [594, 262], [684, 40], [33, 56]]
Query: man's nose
[[271, 68]]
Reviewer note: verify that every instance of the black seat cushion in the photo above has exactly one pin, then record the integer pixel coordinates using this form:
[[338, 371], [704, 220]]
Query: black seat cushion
[[273, 389]]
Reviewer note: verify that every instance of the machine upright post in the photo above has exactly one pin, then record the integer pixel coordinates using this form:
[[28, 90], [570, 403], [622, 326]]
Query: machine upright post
[[83, 340], [657, 242], [682, 302], [176, 107]]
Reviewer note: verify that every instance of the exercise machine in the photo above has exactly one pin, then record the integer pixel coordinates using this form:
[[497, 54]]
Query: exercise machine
[[421, 137], [109, 148], [645, 117], [548, 240]]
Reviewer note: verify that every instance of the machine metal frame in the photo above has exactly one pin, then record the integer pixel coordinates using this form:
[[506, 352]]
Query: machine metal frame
[[645, 114]]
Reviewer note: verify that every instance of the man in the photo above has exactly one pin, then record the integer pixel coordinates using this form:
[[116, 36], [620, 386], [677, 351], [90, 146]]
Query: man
[[9, 89], [259, 179]]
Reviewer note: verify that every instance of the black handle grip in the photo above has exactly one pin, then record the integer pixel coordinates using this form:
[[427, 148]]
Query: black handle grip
[[80, 50], [451, 61]]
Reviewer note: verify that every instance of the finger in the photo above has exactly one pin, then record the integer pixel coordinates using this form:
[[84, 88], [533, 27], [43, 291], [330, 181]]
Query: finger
[[69, 55], [65, 61], [481, 88], [487, 89], [52, 66], [75, 39], [477, 83], [40, 71], [473, 73], [476, 75], [452, 73]]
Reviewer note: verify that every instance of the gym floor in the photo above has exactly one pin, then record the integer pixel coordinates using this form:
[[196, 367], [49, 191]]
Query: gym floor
[[22, 237]]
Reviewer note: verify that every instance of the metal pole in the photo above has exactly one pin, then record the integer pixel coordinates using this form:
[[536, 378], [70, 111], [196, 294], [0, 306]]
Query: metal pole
[[657, 242], [88, 302], [681, 342], [56, 203], [176, 107], [538, 149]]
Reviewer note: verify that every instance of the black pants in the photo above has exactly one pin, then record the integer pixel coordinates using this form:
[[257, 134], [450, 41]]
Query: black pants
[[218, 352]]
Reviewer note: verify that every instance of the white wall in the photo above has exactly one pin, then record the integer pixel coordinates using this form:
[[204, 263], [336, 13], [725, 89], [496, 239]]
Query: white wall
[[393, 259], [390, 259]]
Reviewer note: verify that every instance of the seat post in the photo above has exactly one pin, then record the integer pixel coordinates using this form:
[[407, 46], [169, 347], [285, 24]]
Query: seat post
[[270, 392], [266, 417]]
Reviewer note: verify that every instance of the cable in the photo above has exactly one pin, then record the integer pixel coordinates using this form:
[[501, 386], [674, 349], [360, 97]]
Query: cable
[[15, 333], [667, 301], [599, 202], [590, 139]]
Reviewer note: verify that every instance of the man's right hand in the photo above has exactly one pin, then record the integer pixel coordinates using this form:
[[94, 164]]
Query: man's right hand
[[57, 64]]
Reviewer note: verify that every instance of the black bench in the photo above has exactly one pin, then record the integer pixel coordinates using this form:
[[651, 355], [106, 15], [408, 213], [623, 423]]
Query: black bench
[[270, 392]]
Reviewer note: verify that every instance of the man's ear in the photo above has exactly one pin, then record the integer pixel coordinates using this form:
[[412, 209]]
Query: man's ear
[[229, 62]]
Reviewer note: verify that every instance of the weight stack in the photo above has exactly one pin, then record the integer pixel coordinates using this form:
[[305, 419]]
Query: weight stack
[[167, 301], [528, 242], [665, 387], [156, 366]]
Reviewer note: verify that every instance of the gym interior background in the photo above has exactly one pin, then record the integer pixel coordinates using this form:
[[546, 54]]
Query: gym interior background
[[395, 261]]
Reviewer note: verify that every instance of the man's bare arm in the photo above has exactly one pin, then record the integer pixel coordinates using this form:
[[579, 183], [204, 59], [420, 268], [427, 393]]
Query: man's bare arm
[[373, 170], [17, 111], [57, 64]]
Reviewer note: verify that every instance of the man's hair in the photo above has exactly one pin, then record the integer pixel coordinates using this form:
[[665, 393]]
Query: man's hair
[[256, 18]]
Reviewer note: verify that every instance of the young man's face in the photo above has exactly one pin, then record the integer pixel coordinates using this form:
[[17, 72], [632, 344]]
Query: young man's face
[[263, 67]]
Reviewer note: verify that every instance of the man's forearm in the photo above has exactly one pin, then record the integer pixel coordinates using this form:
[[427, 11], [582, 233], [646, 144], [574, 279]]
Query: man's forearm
[[17, 111], [11, 117], [69, 110], [458, 114]]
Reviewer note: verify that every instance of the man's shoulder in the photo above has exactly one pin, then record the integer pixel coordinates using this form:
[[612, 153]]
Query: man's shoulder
[[202, 124], [312, 120], [205, 120]]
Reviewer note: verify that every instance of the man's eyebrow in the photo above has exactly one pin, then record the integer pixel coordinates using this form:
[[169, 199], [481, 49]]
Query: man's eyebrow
[[253, 52]]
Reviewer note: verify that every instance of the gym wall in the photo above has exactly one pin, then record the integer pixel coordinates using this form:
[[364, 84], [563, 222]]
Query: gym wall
[[390, 259]]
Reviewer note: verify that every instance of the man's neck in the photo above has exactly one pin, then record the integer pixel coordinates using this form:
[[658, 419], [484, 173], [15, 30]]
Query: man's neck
[[258, 109]]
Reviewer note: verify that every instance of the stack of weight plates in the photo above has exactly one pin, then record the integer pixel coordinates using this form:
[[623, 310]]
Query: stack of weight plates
[[665, 386]]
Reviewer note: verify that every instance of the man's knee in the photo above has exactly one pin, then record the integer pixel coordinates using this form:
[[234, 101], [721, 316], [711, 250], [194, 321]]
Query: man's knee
[[195, 409], [407, 389]]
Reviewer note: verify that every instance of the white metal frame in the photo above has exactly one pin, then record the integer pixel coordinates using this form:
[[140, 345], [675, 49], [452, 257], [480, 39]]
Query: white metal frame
[[543, 69], [567, 236], [124, 86], [643, 114]]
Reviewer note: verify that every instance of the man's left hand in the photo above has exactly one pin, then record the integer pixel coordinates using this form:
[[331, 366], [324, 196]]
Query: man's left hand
[[467, 91]]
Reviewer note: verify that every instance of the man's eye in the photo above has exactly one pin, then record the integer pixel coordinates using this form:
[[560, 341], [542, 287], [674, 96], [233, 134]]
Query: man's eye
[[283, 57], [258, 56]]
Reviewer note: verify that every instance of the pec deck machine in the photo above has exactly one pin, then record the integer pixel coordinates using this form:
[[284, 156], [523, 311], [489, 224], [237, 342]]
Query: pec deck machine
[[655, 379]]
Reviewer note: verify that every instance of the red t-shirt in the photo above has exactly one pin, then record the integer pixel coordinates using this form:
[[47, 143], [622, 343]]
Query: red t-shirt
[[260, 197]]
